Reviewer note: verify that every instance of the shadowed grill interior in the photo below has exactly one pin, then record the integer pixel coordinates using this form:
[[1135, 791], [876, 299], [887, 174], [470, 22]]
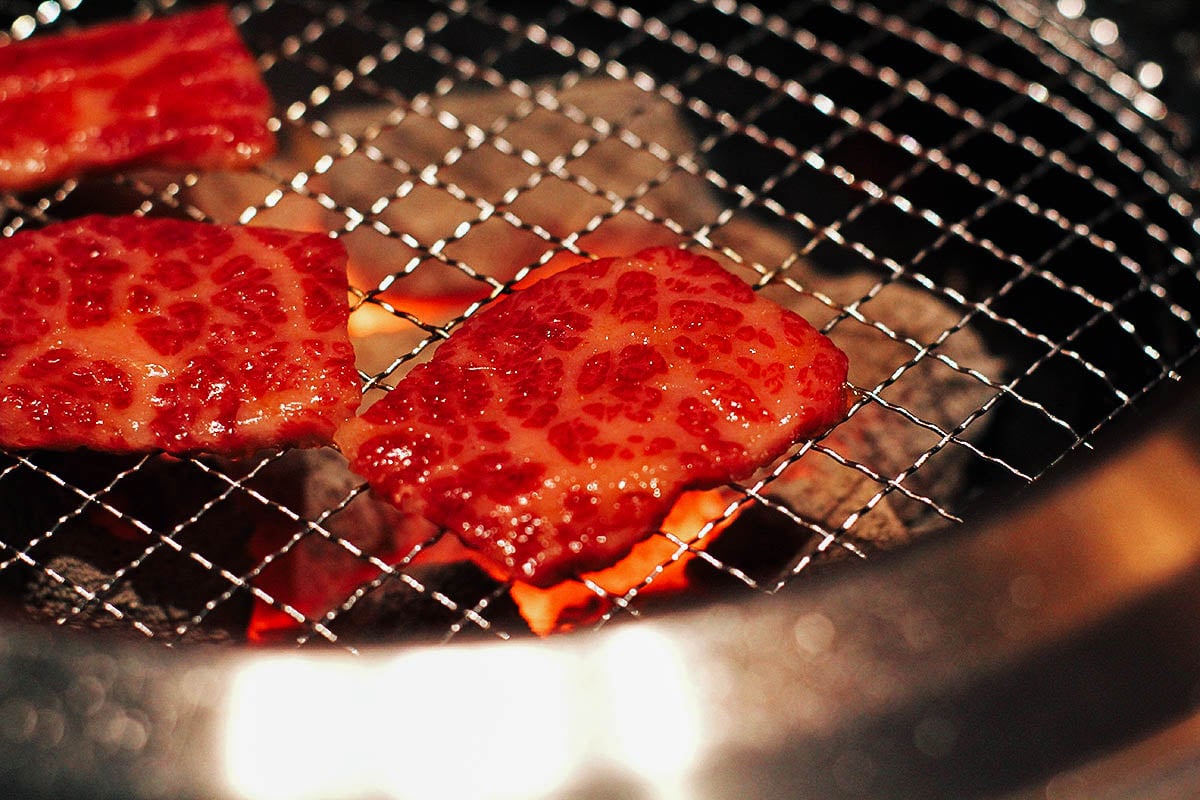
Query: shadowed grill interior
[[976, 200]]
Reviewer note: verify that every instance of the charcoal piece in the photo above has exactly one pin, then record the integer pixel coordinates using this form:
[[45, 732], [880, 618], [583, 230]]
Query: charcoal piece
[[310, 482], [928, 388], [318, 573], [759, 542], [397, 612], [48, 596], [91, 543]]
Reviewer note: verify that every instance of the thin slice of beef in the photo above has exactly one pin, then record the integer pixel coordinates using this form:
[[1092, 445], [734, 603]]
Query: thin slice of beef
[[126, 334], [175, 91], [555, 430]]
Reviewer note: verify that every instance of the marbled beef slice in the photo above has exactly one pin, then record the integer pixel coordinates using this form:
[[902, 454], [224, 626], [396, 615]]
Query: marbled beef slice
[[555, 429], [128, 334], [174, 91]]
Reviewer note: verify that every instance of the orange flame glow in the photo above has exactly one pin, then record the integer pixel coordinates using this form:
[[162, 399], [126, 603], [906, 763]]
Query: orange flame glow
[[318, 576], [572, 604]]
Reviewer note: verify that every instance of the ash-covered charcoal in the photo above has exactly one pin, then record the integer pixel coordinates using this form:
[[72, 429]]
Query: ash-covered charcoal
[[119, 540], [314, 482], [886, 441], [396, 611], [61, 591], [36, 496], [935, 387]]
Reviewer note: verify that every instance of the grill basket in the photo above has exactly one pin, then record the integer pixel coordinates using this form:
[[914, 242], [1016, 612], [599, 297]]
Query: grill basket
[[984, 202], [973, 199]]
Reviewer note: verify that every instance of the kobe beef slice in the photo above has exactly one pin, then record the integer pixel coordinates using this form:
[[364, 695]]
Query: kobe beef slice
[[174, 91], [556, 429], [127, 334]]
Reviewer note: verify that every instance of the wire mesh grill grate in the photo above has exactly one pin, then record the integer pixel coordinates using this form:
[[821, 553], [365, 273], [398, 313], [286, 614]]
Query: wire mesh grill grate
[[972, 198]]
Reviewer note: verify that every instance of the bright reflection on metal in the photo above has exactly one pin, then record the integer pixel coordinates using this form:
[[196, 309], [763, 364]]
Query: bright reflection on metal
[[653, 708], [1150, 74], [425, 724], [1071, 9], [1104, 31], [23, 26], [1150, 105], [484, 723], [48, 11]]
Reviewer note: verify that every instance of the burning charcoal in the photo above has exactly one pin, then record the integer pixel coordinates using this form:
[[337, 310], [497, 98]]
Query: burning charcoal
[[320, 571], [396, 611]]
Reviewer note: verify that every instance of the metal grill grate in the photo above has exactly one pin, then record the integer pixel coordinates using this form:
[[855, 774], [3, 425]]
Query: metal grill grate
[[972, 198]]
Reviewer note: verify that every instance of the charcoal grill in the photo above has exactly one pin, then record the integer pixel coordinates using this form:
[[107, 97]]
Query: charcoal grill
[[988, 204]]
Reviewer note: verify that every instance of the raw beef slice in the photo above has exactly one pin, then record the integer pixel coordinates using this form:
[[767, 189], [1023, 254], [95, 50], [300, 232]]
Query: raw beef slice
[[128, 334], [556, 429], [175, 91]]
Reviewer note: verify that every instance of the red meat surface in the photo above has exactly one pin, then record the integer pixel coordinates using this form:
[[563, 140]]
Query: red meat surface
[[127, 334], [175, 91], [555, 429]]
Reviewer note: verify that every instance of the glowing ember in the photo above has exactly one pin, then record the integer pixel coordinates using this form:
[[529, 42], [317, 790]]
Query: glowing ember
[[573, 604], [319, 576]]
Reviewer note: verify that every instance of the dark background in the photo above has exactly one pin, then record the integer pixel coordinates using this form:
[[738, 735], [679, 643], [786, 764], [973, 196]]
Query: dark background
[[1166, 31]]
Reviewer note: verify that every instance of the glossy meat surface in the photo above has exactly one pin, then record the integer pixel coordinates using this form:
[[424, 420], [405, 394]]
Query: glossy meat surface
[[556, 428], [127, 334], [173, 91]]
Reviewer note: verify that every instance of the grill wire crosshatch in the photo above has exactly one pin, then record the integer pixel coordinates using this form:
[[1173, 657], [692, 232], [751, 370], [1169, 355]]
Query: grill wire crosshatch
[[978, 201]]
